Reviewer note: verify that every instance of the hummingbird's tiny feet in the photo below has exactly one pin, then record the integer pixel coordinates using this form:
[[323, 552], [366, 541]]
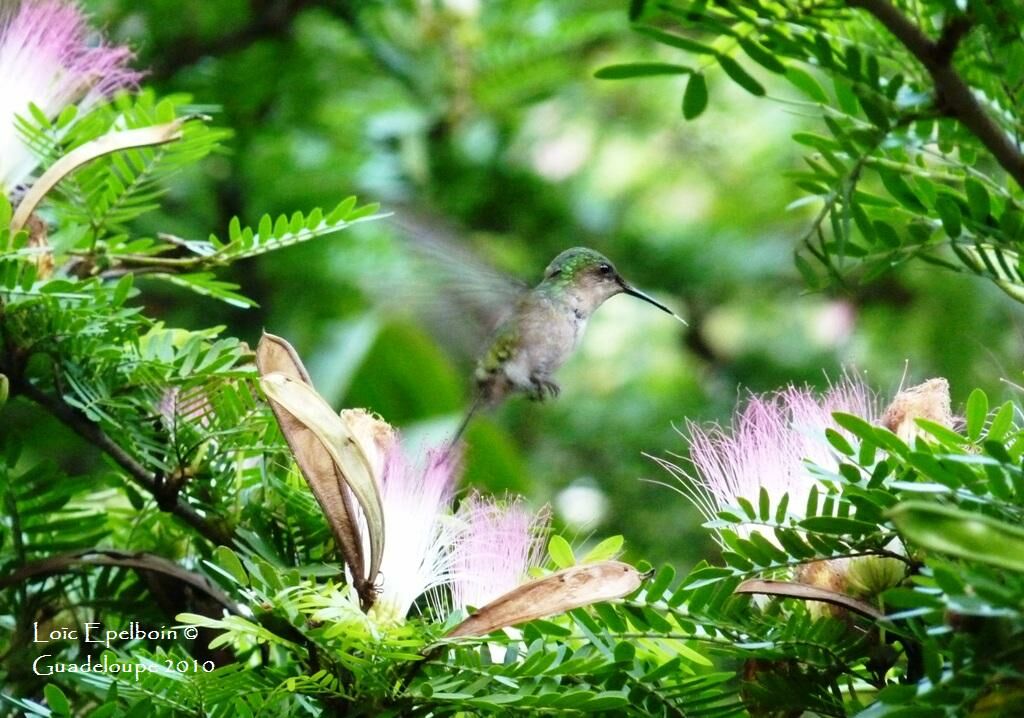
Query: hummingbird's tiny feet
[[544, 388]]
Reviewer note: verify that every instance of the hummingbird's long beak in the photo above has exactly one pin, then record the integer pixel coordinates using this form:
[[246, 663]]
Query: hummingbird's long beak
[[634, 292]]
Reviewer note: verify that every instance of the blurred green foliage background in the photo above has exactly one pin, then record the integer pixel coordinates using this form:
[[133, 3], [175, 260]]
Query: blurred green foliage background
[[486, 116]]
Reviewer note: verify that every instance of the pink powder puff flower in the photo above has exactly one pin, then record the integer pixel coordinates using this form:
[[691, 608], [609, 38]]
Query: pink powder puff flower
[[47, 59], [479, 552], [499, 542], [767, 446]]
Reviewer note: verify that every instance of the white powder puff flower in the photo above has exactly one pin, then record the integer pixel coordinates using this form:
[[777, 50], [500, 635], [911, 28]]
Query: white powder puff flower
[[420, 530]]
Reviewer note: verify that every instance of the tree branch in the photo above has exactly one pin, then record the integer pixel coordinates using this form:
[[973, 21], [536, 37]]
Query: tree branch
[[140, 561], [91, 432], [954, 93], [387, 58], [949, 40]]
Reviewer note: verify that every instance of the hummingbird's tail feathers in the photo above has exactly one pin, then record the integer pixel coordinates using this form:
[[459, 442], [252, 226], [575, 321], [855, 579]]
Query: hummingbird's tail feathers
[[473, 408]]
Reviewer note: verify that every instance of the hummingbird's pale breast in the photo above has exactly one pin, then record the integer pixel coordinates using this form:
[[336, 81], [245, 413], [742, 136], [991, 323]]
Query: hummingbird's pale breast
[[552, 330], [535, 342]]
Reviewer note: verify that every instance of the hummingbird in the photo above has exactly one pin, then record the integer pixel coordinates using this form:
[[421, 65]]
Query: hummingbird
[[519, 335], [544, 327]]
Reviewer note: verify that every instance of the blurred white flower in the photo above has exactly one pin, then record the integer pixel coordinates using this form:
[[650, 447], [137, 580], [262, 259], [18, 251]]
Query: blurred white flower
[[47, 60], [581, 504], [833, 323]]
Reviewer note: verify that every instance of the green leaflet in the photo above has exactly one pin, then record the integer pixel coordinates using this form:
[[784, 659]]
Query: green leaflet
[[640, 69], [695, 98], [561, 552], [964, 534], [977, 410], [740, 76]]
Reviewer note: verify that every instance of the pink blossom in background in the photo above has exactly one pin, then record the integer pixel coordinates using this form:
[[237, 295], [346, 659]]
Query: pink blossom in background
[[498, 543], [833, 323], [767, 445], [50, 57]]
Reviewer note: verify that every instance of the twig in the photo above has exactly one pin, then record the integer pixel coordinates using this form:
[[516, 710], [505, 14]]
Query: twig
[[110, 557], [386, 57], [950, 38], [91, 432], [954, 93]]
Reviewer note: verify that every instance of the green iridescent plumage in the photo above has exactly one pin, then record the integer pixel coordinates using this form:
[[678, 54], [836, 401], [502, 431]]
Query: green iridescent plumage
[[501, 348], [568, 265]]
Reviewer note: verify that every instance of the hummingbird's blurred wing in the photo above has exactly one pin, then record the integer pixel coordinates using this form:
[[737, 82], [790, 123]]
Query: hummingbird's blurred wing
[[459, 296]]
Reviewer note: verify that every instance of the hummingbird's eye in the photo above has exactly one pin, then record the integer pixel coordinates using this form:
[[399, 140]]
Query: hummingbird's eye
[[605, 269]]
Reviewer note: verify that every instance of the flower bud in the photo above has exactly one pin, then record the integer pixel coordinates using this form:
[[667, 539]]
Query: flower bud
[[929, 400], [868, 576], [375, 436]]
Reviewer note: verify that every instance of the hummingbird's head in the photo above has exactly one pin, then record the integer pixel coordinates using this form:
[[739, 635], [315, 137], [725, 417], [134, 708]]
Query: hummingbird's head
[[584, 269], [592, 278]]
